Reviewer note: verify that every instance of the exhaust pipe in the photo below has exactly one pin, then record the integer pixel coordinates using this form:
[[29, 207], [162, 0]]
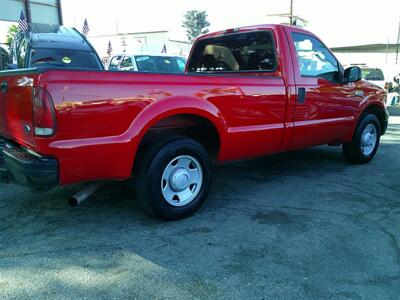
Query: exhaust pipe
[[82, 195]]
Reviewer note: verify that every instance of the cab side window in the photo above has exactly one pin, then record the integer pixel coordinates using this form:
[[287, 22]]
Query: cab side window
[[235, 52], [315, 60]]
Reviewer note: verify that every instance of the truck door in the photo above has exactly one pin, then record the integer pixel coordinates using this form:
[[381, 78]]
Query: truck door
[[242, 78], [325, 107]]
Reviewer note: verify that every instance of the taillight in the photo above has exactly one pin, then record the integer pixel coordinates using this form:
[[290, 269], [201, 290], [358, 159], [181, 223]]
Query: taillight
[[44, 118]]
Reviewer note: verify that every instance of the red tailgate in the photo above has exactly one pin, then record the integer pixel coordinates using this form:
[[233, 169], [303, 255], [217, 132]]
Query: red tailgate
[[16, 107]]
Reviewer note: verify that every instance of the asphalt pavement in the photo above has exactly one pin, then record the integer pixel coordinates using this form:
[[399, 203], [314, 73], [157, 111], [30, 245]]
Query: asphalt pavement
[[298, 225]]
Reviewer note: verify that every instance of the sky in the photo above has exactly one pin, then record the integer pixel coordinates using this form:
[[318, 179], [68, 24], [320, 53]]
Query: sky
[[337, 22]]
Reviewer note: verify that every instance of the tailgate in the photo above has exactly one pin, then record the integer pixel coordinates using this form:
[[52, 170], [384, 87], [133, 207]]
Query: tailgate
[[16, 107]]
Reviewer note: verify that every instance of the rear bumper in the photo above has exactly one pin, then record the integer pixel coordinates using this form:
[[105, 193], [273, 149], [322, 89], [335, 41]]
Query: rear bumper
[[28, 169]]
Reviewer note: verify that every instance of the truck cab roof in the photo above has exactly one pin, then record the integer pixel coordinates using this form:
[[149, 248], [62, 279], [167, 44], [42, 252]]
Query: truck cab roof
[[250, 28], [56, 36]]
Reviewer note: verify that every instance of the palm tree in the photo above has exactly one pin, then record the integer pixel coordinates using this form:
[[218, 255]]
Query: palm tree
[[12, 31]]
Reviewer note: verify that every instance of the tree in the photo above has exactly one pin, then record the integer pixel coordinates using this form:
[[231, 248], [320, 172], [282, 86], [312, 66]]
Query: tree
[[12, 31], [195, 23]]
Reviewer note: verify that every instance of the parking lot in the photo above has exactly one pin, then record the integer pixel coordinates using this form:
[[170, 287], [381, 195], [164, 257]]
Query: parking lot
[[299, 225]]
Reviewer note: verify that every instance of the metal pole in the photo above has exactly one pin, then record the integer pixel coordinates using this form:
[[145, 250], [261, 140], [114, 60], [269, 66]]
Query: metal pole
[[59, 8], [397, 46], [28, 11], [291, 13], [387, 50]]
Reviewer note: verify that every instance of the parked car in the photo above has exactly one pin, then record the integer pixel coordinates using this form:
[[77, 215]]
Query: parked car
[[247, 92], [3, 58], [374, 75], [377, 76], [393, 99], [49, 46], [160, 63]]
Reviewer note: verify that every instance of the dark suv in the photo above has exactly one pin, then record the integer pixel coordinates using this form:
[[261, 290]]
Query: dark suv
[[52, 46]]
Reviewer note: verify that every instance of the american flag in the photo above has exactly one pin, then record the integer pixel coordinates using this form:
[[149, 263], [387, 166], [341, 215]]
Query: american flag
[[109, 48], [85, 27], [164, 49], [23, 23]]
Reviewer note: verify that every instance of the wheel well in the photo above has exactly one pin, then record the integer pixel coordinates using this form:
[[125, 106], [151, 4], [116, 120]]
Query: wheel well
[[379, 113], [198, 128]]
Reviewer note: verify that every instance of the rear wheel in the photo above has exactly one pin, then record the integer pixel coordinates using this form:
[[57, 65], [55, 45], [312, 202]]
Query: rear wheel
[[365, 141], [173, 178]]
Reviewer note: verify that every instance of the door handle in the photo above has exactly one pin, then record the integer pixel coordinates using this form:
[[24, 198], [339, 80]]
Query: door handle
[[301, 95], [3, 86]]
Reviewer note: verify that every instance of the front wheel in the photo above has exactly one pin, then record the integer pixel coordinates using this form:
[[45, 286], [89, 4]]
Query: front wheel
[[173, 178], [365, 141]]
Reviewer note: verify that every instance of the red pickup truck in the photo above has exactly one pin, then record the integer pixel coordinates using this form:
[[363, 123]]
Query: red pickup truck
[[246, 92]]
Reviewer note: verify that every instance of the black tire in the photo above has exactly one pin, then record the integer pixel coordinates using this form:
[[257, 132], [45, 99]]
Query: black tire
[[353, 151], [149, 171]]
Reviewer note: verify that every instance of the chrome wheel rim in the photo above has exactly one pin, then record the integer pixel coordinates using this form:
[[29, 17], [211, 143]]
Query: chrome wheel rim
[[181, 180], [369, 139]]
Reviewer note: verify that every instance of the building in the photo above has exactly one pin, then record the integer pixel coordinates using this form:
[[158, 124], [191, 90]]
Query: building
[[138, 42], [37, 11], [382, 56]]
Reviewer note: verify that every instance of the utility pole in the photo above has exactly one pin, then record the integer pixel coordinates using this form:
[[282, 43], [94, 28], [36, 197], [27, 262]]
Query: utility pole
[[291, 13], [293, 20], [397, 46]]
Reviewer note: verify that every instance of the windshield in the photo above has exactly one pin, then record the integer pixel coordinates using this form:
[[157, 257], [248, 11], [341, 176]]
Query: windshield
[[372, 74], [64, 58], [160, 64]]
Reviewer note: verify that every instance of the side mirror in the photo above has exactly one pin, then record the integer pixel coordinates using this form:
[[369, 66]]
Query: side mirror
[[12, 66], [352, 74]]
